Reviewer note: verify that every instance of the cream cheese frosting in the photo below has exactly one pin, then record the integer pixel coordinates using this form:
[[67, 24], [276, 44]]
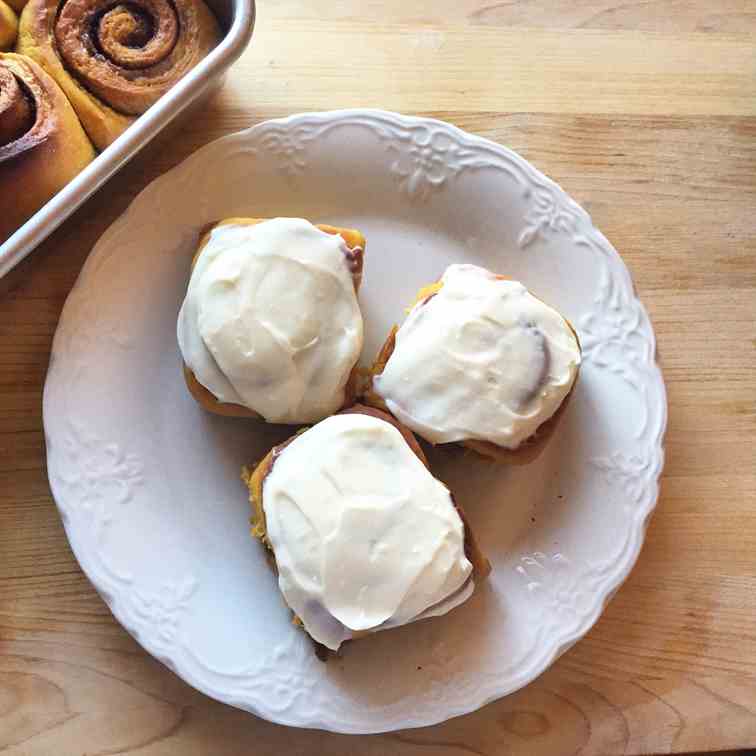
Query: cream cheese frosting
[[271, 320], [480, 359], [364, 537]]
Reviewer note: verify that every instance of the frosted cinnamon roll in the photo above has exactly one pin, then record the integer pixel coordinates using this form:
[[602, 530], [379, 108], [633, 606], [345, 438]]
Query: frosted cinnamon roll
[[270, 327], [479, 361], [42, 144], [114, 60], [364, 538]]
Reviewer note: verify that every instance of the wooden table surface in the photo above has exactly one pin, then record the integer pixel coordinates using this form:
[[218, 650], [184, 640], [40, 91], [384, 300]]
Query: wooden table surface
[[646, 113]]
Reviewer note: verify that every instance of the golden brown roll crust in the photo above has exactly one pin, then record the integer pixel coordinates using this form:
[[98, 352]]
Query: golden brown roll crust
[[256, 478], [114, 61], [16, 5], [356, 243], [42, 143], [525, 453], [8, 26]]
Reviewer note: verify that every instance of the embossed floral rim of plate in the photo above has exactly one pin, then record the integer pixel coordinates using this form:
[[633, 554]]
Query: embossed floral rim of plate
[[148, 484]]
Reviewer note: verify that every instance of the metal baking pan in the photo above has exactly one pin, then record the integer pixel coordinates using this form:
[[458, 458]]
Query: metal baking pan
[[238, 17]]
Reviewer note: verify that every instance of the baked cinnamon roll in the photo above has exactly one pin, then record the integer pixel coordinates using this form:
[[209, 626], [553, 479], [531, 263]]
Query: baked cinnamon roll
[[481, 362], [115, 60], [42, 143], [364, 538], [270, 327]]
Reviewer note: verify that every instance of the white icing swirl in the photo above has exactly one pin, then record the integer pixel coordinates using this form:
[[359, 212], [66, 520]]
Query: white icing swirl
[[481, 359], [365, 538], [271, 320]]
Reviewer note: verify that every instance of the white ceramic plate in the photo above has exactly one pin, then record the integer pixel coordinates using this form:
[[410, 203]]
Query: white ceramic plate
[[148, 484]]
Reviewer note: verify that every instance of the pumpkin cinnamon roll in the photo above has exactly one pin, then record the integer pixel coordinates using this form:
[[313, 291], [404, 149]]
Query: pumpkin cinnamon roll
[[8, 26], [364, 538], [114, 60], [480, 362], [270, 326], [42, 143]]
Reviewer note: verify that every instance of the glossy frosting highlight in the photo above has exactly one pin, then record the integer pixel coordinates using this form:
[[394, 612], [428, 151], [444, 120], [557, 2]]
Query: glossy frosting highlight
[[271, 320], [482, 358], [364, 537]]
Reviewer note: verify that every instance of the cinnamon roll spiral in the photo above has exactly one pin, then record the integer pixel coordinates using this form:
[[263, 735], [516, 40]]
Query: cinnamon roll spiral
[[42, 143], [116, 59]]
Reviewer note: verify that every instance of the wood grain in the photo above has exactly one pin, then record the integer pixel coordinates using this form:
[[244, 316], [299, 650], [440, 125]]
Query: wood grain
[[634, 15], [502, 69], [645, 112]]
